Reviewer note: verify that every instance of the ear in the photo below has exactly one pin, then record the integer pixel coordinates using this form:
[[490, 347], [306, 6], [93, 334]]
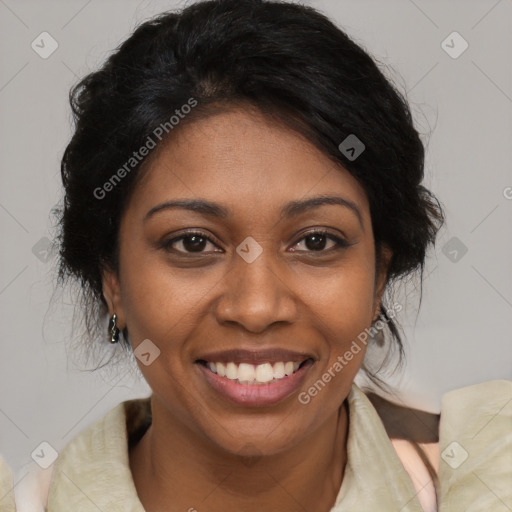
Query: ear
[[381, 278], [112, 294]]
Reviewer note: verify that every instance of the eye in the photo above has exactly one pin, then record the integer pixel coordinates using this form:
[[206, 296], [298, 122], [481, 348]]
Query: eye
[[316, 241], [195, 242], [192, 242]]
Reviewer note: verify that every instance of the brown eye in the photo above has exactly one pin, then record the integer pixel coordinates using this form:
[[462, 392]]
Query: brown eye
[[316, 241], [194, 243], [189, 243]]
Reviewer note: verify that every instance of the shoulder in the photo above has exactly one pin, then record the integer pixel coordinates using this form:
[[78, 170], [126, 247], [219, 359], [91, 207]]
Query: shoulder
[[94, 459], [476, 446], [471, 436], [35, 492], [483, 409], [483, 396]]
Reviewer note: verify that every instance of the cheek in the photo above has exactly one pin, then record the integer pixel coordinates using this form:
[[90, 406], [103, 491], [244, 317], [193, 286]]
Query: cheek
[[161, 305], [159, 301], [342, 308], [344, 302]]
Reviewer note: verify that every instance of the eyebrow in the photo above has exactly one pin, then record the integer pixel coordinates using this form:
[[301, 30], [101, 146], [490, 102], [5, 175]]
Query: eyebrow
[[290, 209]]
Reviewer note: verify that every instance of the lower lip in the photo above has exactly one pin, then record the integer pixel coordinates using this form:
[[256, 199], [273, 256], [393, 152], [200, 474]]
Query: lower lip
[[254, 395]]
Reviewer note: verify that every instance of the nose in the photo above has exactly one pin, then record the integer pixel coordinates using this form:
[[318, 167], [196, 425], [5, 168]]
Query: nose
[[256, 295]]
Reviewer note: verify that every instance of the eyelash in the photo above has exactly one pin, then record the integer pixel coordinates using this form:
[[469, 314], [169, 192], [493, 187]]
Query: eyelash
[[340, 243]]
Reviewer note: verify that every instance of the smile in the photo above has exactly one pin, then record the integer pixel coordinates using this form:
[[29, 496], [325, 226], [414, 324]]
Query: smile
[[245, 373], [255, 384]]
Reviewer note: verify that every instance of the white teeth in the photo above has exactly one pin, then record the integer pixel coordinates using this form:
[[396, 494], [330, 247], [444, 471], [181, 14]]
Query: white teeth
[[221, 369], [288, 368], [278, 370], [246, 372], [231, 371], [254, 374], [264, 372]]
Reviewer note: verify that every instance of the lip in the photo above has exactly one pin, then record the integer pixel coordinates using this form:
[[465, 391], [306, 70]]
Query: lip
[[256, 395], [259, 356]]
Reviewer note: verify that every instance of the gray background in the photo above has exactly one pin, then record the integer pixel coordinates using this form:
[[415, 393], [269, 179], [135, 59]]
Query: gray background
[[462, 107]]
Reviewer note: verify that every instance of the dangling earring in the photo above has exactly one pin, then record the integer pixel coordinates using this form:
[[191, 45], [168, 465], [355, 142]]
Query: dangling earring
[[113, 330]]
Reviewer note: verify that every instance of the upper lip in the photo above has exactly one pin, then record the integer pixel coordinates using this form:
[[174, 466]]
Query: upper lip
[[259, 356]]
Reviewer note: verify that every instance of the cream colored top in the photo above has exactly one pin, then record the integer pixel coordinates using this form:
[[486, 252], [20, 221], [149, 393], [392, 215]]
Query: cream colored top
[[476, 448], [6, 489], [475, 433]]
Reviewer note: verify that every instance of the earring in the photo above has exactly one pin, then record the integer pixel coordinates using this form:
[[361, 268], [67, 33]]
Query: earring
[[113, 330]]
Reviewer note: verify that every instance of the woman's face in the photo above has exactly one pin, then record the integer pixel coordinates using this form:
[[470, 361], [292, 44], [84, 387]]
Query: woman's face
[[263, 291]]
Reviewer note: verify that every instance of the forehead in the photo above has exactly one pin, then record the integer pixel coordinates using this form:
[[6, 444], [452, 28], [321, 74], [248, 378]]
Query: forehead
[[244, 160]]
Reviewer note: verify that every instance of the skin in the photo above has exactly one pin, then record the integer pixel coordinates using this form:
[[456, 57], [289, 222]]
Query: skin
[[197, 452]]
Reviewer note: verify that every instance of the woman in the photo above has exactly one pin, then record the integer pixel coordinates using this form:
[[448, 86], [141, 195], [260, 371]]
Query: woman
[[242, 187]]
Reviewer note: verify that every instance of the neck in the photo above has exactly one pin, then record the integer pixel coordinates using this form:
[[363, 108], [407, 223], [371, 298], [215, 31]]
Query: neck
[[171, 464]]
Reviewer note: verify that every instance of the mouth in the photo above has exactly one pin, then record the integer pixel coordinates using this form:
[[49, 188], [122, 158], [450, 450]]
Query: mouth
[[252, 374], [249, 379]]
